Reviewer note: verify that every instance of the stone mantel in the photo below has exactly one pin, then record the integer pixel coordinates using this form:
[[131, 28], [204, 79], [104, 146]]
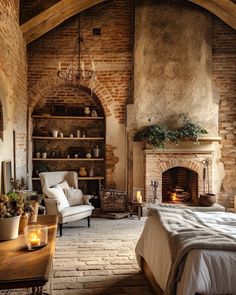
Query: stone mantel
[[204, 145]]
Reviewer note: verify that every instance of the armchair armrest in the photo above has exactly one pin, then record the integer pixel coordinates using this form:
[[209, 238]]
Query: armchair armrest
[[87, 198], [52, 206]]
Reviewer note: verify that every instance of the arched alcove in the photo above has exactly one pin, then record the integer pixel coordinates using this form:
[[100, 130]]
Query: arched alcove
[[65, 136]]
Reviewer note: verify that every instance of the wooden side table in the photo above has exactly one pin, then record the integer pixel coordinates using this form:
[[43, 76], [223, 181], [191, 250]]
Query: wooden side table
[[136, 205], [21, 268]]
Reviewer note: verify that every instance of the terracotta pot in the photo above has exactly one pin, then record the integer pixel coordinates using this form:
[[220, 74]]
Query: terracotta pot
[[34, 216], [24, 219], [9, 227], [207, 200]]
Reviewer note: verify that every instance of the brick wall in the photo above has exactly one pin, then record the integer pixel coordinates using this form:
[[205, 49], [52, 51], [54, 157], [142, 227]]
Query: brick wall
[[224, 75], [112, 55], [13, 92]]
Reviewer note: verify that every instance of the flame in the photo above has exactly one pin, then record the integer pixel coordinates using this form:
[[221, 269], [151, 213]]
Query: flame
[[173, 197]]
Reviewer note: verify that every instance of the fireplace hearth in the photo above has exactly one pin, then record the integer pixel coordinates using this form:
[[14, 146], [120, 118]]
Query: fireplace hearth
[[180, 185], [179, 170]]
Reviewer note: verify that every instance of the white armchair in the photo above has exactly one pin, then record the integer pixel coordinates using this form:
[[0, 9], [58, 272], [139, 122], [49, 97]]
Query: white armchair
[[56, 202]]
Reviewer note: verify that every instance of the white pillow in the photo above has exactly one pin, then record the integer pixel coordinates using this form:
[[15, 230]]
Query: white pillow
[[74, 196], [57, 193], [64, 184]]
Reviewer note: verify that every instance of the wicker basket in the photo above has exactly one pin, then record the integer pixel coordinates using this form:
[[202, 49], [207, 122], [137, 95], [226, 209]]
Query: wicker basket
[[207, 200]]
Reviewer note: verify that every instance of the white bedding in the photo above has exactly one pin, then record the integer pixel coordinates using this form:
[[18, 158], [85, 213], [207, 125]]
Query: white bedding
[[206, 271]]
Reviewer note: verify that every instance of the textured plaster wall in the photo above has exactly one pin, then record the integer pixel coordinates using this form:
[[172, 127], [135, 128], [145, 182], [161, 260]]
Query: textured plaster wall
[[172, 74], [172, 66], [13, 92]]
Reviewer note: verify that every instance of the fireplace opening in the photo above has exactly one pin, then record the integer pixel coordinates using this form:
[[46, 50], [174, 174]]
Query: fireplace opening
[[180, 185]]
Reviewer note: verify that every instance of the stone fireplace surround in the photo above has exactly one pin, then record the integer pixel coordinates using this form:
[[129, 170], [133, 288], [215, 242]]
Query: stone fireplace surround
[[187, 154]]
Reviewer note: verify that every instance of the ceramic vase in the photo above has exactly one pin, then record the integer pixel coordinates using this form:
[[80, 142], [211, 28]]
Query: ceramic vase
[[34, 216], [9, 227], [83, 171], [24, 219]]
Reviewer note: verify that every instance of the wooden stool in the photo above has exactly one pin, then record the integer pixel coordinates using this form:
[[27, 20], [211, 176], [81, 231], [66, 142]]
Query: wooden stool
[[133, 205]]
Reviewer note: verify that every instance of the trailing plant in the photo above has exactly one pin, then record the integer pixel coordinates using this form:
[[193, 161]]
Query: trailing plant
[[158, 135]]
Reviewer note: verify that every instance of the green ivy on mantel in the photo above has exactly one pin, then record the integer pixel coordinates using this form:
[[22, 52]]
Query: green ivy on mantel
[[158, 135]]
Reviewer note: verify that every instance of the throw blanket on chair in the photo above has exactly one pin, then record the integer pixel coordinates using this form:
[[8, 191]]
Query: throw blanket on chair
[[187, 230]]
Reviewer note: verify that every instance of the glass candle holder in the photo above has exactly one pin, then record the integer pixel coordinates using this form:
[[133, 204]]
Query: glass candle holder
[[36, 236]]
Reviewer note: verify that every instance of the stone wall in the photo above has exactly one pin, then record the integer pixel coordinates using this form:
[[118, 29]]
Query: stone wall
[[224, 75], [13, 92], [112, 55]]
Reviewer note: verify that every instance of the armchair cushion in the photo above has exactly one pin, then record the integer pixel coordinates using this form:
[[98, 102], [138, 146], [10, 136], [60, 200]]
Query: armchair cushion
[[74, 196], [57, 193], [64, 184], [76, 210]]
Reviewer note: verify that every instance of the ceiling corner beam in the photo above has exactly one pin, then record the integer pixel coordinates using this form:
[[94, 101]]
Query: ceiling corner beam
[[61, 11], [54, 16], [224, 9]]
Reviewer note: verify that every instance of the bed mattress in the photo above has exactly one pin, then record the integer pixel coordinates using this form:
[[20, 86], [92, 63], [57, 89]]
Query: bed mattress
[[205, 271]]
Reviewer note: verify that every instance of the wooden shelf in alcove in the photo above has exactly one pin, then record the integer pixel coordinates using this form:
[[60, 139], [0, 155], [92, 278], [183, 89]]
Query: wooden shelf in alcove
[[67, 117], [68, 159], [67, 138], [79, 178]]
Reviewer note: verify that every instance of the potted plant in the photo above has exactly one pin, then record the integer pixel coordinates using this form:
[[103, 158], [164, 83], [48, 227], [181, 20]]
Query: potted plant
[[157, 135], [12, 206], [34, 200]]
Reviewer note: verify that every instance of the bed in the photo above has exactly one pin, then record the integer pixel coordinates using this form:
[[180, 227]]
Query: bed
[[185, 253]]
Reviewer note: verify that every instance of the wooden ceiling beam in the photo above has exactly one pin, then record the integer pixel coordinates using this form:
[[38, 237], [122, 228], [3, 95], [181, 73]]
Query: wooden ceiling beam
[[224, 9], [61, 11], [54, 16]]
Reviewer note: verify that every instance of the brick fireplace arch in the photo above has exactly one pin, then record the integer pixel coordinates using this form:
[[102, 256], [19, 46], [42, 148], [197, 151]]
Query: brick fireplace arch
[[156, 163]]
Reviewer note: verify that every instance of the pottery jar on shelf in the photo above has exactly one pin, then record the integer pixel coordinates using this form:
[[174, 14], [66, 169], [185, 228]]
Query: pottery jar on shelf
[[83, 172], [96, 152], [91, 172], [87, 111]]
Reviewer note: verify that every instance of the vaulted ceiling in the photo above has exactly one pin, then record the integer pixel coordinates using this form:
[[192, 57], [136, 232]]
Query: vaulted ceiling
[[44, 15]]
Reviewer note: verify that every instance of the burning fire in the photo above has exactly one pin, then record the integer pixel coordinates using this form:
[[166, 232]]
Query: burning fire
[[173, 197]]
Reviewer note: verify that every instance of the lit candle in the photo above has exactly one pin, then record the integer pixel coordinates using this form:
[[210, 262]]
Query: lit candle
[[34, 240], [82, 65], [59, 66], [139, 197], [82, 68], [93, 66]]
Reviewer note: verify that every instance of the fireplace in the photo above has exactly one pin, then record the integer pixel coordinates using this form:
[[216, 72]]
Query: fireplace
[[179, 169], [180, 185]]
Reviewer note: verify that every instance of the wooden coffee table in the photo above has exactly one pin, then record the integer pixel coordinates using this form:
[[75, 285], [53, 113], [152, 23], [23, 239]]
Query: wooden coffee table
[[21, 268]]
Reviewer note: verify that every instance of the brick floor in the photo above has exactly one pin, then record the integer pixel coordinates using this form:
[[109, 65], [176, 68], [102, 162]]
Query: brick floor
[[99, 260]]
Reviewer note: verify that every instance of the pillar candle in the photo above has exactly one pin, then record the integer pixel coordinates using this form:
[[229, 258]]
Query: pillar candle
[[93, 66], [139, 197]]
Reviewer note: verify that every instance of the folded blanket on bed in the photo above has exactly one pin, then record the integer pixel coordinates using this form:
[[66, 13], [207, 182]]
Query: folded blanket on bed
[[187, 231]]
